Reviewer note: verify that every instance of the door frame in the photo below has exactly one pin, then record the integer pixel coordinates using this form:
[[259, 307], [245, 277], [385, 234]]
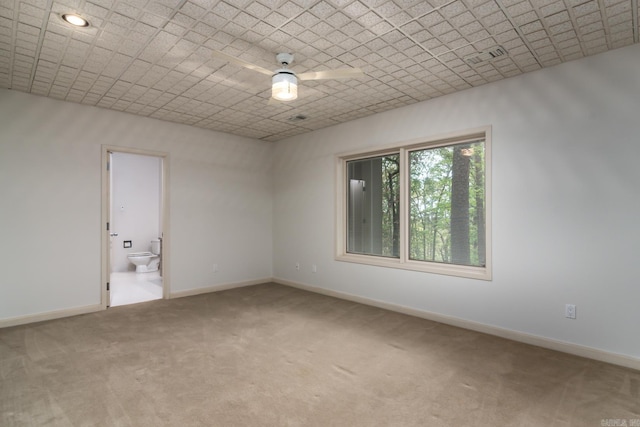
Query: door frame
[[106, 219]]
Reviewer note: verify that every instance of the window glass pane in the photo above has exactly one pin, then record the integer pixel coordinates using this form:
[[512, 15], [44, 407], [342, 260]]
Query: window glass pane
[[373, 206], [447, 204]]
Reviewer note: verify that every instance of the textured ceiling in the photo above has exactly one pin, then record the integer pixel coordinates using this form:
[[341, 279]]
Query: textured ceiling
[[154, 57]]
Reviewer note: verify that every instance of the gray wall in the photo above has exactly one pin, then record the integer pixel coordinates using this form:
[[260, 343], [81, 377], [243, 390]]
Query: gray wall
[[50, 202], [565, 204]]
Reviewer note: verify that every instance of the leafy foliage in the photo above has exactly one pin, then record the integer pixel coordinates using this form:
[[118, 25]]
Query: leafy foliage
[[433, 199], [446, 205], [391, 206]]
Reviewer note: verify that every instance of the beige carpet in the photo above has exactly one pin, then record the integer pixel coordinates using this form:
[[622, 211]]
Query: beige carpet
[[270, 355]]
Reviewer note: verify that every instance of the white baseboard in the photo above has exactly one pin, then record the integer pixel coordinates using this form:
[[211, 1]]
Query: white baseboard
[[49, 315], [565, 347], [218, 287]]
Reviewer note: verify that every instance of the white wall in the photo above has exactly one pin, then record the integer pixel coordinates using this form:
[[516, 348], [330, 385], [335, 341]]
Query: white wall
[[50, 202], [565, 204], [135, 205]]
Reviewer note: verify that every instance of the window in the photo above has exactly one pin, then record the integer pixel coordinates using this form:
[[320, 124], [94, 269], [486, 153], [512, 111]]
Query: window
[[419, 206], [373, 210]]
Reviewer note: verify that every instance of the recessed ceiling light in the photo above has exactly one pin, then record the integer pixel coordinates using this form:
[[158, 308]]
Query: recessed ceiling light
[[75, 20]]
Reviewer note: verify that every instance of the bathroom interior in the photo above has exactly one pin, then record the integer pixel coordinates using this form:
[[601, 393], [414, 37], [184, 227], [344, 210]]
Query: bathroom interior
[[136, 228]]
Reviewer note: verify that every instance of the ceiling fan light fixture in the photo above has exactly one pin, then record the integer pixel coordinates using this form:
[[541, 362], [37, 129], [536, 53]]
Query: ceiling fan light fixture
[[284, 86]]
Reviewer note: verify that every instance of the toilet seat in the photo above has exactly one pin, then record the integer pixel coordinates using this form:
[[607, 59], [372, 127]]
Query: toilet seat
[[141, 254]]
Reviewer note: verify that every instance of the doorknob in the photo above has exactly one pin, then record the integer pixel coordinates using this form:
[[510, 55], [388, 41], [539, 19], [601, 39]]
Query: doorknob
[[113, 234]]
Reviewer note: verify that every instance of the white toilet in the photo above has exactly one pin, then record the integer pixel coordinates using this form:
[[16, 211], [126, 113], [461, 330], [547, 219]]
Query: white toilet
[[146, 262]]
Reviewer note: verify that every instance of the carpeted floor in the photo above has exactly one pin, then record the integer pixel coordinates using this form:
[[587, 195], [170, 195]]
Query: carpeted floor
[[270, 355]]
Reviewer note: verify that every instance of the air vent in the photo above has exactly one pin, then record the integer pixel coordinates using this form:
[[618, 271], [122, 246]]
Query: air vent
[[487, 55], [297, 118]]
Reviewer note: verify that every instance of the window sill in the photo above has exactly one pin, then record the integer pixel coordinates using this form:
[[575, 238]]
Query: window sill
[[479, 273]]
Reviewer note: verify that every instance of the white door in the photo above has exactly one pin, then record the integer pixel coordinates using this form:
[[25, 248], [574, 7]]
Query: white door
[[109, 232]]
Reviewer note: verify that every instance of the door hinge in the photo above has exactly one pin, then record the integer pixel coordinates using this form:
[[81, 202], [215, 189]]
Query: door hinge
[[107, 285], [107, 226]]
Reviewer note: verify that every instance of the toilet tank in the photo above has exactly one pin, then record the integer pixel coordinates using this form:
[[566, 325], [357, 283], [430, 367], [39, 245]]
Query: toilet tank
[[155, 246]]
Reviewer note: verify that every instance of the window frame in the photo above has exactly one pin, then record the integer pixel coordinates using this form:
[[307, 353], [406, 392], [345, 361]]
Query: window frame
[[403, 262]]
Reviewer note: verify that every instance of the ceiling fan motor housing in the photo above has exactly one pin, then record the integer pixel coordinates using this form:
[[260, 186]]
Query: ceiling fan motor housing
[[284, 58]]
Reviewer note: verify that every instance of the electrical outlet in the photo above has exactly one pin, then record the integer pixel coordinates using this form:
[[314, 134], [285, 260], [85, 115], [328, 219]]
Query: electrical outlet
[[298, 266], [570, 311], [314, 268]]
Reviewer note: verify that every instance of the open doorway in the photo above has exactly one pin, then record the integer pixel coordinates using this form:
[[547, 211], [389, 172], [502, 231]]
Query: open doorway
[[135, 248]]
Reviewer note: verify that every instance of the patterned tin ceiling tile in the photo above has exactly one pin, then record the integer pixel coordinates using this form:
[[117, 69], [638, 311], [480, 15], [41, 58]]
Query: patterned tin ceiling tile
[[155, 58]]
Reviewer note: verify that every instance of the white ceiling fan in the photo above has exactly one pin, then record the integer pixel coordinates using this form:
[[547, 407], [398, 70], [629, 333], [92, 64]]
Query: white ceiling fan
[[284, 81]]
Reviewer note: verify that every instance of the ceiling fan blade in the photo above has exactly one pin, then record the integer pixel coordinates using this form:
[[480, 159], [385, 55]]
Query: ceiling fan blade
[[240, 62], [343, 73]]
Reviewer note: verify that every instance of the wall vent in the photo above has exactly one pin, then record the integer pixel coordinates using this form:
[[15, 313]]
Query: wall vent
[[486, 55], [297, 118]]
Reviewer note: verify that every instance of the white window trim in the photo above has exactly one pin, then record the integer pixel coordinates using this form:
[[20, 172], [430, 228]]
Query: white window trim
[[403, 262]]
